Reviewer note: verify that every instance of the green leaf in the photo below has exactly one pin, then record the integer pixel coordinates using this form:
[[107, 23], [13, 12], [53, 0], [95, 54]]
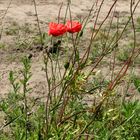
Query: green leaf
[[137, 84]]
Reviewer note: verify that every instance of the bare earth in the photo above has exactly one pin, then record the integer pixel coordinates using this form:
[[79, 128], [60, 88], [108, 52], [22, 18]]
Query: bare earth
[[22, 11]]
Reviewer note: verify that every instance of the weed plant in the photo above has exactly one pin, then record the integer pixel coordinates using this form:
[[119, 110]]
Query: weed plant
[[65, 113]]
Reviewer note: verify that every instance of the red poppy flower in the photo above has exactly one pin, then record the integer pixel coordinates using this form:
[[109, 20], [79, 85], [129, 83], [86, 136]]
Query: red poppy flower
[[73, 26], [56, 29]]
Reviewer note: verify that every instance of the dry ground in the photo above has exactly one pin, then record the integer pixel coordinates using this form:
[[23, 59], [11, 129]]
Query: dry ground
[[22, 12]]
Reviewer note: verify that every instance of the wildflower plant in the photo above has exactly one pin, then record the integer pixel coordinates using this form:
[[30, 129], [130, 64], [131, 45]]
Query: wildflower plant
[[80, 101]]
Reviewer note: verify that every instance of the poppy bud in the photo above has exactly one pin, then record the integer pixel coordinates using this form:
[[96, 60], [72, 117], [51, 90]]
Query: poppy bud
[[66, 65]]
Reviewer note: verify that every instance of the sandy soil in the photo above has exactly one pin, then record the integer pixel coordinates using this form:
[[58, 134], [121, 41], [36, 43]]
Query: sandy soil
[[22, 11]]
